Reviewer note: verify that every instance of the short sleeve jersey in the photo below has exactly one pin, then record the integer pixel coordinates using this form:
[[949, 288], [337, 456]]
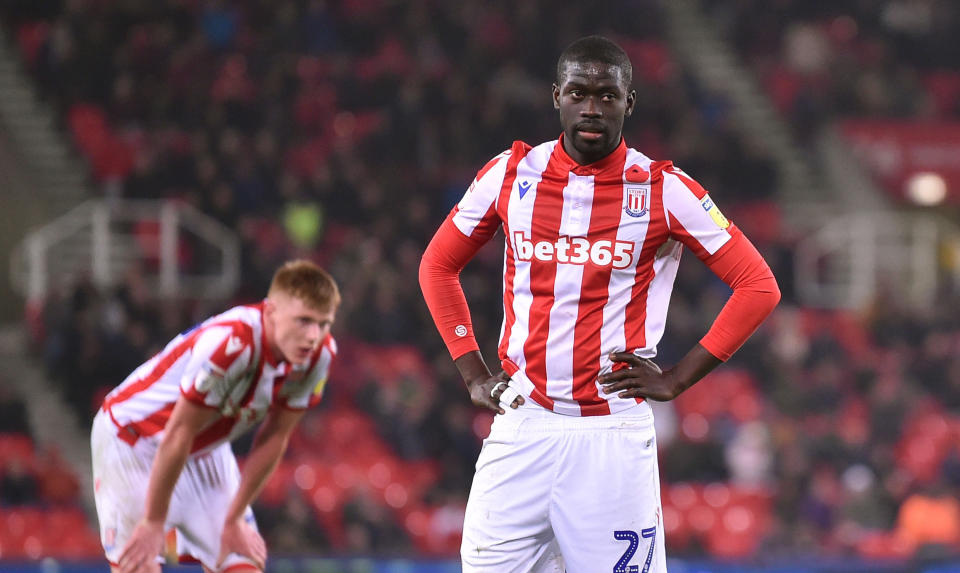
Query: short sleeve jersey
[[223, 364]]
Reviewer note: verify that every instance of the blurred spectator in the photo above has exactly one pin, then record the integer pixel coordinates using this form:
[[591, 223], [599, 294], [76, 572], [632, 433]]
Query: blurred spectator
[[929, 520], [295, 527], [13, 412], [369, 528], [18, 485]]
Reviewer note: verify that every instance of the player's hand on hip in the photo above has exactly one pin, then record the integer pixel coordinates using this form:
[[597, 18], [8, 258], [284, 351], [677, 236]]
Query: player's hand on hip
[[241, 538], [141, 551], [636, 377], [491, 392]]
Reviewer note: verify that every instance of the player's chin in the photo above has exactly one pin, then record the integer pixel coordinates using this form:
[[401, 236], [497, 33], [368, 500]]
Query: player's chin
[[591, 142]]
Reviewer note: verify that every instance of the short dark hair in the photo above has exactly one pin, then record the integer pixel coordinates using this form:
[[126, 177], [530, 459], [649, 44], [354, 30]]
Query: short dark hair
[[596, 49]]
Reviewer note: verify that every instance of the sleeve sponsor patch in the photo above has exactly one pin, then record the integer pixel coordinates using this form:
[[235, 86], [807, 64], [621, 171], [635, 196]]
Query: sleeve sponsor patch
[[714, 212], [318, 388], [208, 379]]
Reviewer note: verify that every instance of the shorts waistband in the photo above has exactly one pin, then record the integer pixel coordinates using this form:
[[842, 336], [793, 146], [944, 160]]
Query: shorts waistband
[[532, 416], [127, 433]]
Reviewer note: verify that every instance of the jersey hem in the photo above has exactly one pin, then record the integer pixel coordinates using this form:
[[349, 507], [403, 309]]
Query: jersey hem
[[588, 410]]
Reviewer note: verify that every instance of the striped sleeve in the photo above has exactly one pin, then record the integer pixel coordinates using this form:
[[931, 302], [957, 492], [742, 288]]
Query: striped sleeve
[[220, 354], [692, 216], [696, 221], [476, 213]]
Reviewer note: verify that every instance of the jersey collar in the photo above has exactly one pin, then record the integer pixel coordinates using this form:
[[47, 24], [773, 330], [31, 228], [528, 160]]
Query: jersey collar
[[614, 160]]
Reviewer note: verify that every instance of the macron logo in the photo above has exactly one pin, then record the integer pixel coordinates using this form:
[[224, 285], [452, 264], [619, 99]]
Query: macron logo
[[523, 186], [234, 345]]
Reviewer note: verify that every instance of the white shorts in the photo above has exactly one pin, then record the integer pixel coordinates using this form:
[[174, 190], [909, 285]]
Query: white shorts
[[198, 507], [562, 493]]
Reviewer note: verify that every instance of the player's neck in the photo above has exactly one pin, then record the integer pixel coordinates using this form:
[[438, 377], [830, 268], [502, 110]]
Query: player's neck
[[270, 340], [584, 159]]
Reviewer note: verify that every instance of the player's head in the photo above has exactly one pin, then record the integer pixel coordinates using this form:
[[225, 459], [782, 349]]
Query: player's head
[[300, 308], [593, 94]]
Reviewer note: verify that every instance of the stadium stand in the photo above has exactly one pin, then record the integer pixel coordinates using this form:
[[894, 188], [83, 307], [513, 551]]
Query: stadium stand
[[325, 130], [887, 73]]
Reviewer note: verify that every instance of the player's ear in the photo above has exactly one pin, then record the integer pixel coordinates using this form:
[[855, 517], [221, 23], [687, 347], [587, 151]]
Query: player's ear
[[631, 100], [556, 96]]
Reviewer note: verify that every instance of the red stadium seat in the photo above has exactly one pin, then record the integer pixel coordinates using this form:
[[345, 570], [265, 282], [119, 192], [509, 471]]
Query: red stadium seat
[[845, 326], [702, 518], [312, 69], [927, 438], [82, 546], [68, 534], [675, 526], [783, 85], [19, 529], [737, 534], [18, 446], [742, 515], [944, 90], [306, 158], [278, 487], [651, 59], [435, 530], [730, 391], [88, 124], [883, 545], [31, 36], [762, 221], [314, 106], [58, 485]]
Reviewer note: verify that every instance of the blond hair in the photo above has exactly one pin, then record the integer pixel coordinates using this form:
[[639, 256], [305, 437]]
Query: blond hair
[[304, 280]]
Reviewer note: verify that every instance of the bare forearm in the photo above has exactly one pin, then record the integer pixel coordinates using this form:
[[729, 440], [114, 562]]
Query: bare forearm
[[696, 364], [472, 366], [171, 457], [259, 466]]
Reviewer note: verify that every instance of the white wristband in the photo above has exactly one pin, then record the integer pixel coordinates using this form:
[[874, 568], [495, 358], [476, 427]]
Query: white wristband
[[508, 396]]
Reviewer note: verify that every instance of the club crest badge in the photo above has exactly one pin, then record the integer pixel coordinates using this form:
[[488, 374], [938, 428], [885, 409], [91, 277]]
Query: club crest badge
[[638, 201]]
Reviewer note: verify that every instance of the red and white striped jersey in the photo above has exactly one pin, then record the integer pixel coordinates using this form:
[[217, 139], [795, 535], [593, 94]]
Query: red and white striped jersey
[[223, 363], [590, 259]]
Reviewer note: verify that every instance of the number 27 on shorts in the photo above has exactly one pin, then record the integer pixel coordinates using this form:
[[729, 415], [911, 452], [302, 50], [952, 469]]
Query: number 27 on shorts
[[634, 539]]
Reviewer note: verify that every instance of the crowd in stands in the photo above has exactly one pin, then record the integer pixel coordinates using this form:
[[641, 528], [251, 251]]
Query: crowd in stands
[[825, 60], [40, 510], [344, 132]]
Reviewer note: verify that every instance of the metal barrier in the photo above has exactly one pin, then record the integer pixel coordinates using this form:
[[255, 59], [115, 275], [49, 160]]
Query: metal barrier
[[104, 239], [853, 258]]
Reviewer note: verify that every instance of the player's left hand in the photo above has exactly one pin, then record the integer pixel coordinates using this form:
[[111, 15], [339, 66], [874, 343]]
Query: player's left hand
[[241, 538], [640, 378], [143, 547]]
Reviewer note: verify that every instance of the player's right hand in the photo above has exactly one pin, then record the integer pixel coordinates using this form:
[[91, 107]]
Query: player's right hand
[[140, 552], [487, 392]]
